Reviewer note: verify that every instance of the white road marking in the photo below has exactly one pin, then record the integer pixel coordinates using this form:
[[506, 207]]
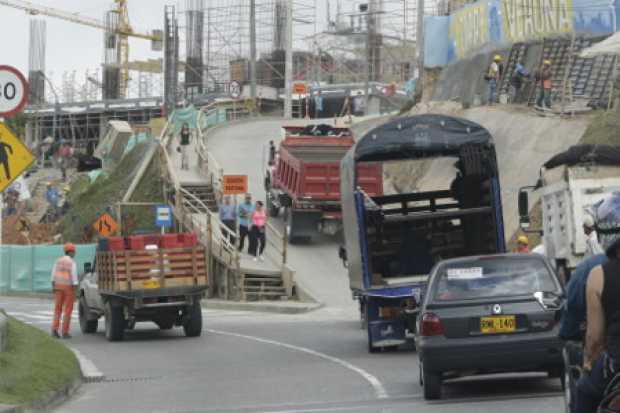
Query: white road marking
[[90, 372], [380, 391]]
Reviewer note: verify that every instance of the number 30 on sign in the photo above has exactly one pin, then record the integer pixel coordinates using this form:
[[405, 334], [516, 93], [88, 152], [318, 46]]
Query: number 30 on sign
[[13, 91]]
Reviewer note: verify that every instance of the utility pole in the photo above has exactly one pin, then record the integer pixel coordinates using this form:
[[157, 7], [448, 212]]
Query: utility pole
[[369, 38], [253, 49], [419, 86], [288, 65]]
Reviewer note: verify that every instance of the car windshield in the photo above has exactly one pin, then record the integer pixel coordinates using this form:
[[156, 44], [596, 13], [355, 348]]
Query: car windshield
[[492, 277]]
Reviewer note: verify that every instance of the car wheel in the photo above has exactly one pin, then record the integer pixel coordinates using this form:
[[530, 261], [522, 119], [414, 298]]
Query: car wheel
[[86, 325], [431, 381], [193, 327], [114, 322]]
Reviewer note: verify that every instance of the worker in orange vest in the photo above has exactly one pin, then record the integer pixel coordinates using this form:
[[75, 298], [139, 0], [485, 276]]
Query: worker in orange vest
[[64, 282], [545, 77]]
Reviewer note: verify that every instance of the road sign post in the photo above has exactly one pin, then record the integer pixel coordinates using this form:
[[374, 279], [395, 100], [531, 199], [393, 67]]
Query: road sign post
[[235, 184], [105, 225], [13, 91], [163, 217]]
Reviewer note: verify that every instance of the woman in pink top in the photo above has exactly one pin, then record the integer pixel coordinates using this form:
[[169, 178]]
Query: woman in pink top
[[257, 233]]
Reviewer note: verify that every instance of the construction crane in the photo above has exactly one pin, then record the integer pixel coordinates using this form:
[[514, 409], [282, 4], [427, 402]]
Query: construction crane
[[123, 30]]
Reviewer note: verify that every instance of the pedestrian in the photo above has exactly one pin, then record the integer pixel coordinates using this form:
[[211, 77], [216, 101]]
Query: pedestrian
[[272, 153], [358, 104], [519, 76], [592, 245], [259, 222], [228, 216], [523, 245], [346, 108], [544, 76], [64, 283], [244, 214], [318, 105], [493, 76], [53, 199], [184, 144], [601, 354], [64, 155]]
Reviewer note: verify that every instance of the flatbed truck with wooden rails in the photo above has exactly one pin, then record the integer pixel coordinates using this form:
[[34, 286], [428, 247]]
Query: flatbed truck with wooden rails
[[163, 284]]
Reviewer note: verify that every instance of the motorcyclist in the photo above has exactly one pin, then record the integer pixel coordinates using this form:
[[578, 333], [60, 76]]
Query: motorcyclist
[[601, 360]]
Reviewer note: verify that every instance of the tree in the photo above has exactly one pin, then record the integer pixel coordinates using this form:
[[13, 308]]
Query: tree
[[17, 124]]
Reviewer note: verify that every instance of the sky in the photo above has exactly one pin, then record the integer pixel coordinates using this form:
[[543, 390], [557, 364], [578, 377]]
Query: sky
[[73, 46], [76, 47]]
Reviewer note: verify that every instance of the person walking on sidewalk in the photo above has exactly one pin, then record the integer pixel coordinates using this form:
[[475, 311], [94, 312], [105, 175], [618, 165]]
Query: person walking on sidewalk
[[259, 223], [64, 282], [493, 76], [244, 214], [228, 216], [544, 76], [185, 139]]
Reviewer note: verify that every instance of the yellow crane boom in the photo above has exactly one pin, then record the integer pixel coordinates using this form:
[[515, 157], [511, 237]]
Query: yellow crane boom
[[124, 29]]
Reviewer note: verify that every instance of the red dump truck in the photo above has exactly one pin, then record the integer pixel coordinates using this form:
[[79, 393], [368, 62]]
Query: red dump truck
[[303, 178]]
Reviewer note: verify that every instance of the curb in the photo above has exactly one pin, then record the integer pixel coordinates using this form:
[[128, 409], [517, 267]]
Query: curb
[[4, 331], [90, 372], [261, 306], [46, 403]]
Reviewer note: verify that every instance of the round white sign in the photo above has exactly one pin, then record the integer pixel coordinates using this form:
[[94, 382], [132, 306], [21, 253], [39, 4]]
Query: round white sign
[[13, 91]]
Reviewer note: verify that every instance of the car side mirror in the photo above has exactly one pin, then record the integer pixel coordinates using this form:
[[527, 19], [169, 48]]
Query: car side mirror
[[88, 267]]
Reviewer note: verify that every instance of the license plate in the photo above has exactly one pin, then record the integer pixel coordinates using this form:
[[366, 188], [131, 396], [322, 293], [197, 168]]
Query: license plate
[[150, 284], [504, 324]]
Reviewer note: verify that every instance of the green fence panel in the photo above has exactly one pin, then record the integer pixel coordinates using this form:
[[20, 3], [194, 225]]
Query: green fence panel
[[29, 268]]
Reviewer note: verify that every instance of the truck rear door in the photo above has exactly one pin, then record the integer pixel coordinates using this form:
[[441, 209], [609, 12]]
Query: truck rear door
[[321, 181]]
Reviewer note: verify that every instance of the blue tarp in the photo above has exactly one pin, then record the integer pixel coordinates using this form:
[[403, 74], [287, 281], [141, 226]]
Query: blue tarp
[[25, 268]]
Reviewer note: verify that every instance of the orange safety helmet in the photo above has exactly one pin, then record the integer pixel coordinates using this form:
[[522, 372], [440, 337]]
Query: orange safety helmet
[[69, 247]]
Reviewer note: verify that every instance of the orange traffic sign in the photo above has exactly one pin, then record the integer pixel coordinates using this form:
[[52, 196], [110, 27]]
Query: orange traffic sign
[[106, 225], [235, 184], [300, 88]]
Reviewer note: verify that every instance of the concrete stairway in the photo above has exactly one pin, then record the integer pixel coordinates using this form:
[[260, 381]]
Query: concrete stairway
[[262, 285], [203, 192]]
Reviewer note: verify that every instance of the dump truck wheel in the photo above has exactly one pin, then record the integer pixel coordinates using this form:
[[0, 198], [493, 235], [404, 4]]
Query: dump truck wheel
[[114, 322], [193, 327], [86, 325]]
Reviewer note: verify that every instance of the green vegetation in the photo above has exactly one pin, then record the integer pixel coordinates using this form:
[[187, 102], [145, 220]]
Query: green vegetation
[[33, 365], [17, 124], [104, 194], [604, 129]]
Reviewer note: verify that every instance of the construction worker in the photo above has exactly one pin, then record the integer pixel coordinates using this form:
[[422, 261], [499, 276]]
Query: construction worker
[[523, 245], [544, 76], [493, 76], [64, 282]]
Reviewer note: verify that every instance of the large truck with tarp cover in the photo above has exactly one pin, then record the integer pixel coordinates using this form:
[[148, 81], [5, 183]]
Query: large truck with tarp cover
[[392, 241], [304, 179], [571, 183]]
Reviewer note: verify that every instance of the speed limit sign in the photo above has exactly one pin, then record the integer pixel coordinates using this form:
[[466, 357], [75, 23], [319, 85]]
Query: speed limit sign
[[13, 91]]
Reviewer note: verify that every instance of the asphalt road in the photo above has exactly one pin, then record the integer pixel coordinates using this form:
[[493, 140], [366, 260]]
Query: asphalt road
[[258, 362], [248, 362]]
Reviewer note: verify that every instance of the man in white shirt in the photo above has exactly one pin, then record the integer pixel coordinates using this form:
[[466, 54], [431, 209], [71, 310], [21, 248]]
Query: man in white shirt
[[64, 282], [592, 245]]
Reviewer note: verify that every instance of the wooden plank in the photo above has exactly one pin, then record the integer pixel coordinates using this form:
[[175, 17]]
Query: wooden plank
[[195, 267], [128, 272], [175, 266], [177, 282]]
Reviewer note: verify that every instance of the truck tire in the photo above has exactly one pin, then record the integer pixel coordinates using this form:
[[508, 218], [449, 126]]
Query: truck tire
[[165, 324], [114, 322], [193, 326], [431, 382], [291, 227], [88, 326]]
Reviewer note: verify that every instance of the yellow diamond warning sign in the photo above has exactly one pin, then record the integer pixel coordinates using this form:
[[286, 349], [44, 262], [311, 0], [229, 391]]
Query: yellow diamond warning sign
[[15, 157], [106, 225]]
